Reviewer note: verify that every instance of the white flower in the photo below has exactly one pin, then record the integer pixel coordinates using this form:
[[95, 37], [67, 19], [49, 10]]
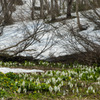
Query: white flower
[[76, 85], [63, 73], [51, 74], [19, 90], [90, 88], [23, 84], [59, 79], [50, 89], [54, 81], [55, 88], [20, 75], [24, 90], [77, 90], [73, 91], [87, 91], [71, 85], [98, 83], [64, 93], [82, 84], [31, 79], [98, 78], [57, 73], [48, 81], [59, 88], [91, 76], [16, 83], [37, 80], [93, 91], [62, 83], [2, 98]]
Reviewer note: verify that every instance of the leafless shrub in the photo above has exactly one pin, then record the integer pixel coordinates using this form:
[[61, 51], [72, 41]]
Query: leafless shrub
[[32, 34]]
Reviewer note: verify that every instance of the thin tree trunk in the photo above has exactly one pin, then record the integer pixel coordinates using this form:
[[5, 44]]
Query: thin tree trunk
[[47, 6], [77, 14], [41, 9], [33, 9], [69, 7], [52, 10], [56, 7]]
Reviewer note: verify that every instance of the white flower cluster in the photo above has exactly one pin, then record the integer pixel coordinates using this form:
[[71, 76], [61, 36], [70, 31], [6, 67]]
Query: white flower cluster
[[90, 90]]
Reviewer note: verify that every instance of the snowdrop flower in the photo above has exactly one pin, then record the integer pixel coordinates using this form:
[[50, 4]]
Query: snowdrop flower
[[55, 88], [20, 75], [31, 79], [90, 88], [23, 84], [93, 91], [98, 78], [59, 79], [91, 76], [54, 81], [73, 91], [24, 90], [37, 80], [59, 88], [48, 81], [64, 93], [50, 89], [45, 80], [98, 83], [16, 83], [3, 89], [63, 73], [62, 83], [51, 74], [82, 84], [80, 75], [57, 73], [77, 91], [71, 85], [76, 85], [19, 90], [87, 91], [2, 98], [89, 69]]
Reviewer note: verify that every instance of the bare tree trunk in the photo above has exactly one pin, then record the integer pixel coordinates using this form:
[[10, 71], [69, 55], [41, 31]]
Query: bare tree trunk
[[33, 10], [77, 14], [60, 3], [41, 9], [52, 10], [63, 6], [69, 7], [47, 6], [56, 7]]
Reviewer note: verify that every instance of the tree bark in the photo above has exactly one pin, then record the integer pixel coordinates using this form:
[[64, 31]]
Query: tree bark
[[69, 7], [41, 9], [56, 7], [33, 9], [77, 14], [52, 10]]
